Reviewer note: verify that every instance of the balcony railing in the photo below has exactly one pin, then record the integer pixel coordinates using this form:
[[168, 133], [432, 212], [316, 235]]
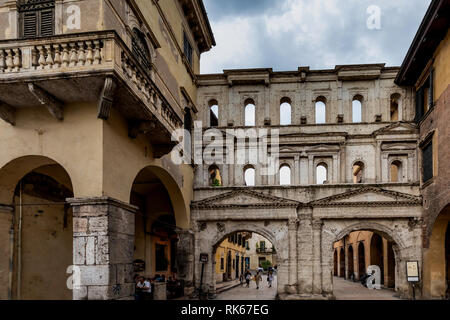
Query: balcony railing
[[265, 251], [93, 54]]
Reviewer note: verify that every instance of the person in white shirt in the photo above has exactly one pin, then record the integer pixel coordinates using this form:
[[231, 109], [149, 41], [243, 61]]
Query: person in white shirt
[[143, 288]]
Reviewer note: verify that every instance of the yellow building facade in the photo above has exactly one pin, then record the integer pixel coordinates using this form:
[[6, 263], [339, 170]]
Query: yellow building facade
[[230, 257]]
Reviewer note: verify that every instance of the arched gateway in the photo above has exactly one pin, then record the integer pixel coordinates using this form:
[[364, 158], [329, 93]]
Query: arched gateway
[[304, 234]]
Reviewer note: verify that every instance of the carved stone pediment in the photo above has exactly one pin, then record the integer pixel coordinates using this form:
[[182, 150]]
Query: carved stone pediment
[[397, 128], [324, 147], [243, 198], [369, 196]]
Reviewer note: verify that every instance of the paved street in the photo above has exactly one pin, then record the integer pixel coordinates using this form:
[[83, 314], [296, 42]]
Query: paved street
[[346, 290], [243, 293]]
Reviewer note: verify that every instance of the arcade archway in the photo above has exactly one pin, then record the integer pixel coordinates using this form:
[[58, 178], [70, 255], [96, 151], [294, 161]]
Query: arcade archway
[[39, 238]]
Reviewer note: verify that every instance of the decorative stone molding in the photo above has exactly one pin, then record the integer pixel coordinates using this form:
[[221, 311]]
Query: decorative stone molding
[[244, 198], [398, 199], [7, 113], [220, 227], [54, 106], [105, 101]]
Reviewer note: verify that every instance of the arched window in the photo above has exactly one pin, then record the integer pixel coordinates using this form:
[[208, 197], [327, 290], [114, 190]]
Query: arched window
[[358, 171], [396, 171], [140, 48], [250, 110], [285, 175], [249, 176], [213, 113], [321, 111], [215, 179], [394, 111], [321, 173], [285, 112], [357, 109]]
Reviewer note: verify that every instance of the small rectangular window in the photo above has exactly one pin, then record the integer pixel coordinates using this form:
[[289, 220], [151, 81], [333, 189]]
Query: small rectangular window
[[187, 49], [427, 162]]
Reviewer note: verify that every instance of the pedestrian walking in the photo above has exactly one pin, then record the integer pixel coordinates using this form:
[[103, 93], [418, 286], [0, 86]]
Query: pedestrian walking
[[248, 277], [258, 279], [270, 279]]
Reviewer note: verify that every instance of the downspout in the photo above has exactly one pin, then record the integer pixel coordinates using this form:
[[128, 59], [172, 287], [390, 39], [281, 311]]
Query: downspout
[[19, 244]]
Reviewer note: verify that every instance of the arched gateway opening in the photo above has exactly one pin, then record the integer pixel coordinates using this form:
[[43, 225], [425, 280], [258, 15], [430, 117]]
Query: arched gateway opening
[[157, 227], [36, 229], [362, 249], [246, 253]]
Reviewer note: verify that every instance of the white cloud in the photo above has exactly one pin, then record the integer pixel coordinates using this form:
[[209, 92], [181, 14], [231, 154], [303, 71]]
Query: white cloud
[[319, 34]]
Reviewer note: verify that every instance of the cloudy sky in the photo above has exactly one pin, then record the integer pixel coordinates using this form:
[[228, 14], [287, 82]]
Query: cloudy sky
[[286, 34]]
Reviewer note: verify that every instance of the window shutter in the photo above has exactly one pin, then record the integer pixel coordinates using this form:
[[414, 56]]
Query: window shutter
[[46, 25], [430, 92], [419, 105], [29, 27]]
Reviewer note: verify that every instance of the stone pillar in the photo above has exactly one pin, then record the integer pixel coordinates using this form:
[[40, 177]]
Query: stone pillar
[[317, 256], [343, 163], [311, 169], [292, 232], [378, 171], [296, 170], [13, 31], [103, 248], [305, 253], [185, 258]]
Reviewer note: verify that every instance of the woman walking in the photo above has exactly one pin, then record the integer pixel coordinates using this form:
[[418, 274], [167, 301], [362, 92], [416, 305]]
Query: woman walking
[[258, 279]]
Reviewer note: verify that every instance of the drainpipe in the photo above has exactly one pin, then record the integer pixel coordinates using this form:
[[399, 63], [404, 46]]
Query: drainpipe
[[11, 255], [19, 244]]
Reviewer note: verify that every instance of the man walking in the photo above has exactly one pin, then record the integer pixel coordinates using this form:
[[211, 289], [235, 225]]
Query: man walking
[[258, 279]]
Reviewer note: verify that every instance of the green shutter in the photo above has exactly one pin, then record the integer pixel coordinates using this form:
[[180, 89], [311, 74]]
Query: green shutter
[[419, 105]]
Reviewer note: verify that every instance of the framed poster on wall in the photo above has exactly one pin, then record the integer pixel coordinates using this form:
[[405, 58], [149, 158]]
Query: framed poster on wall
[[412, 271]]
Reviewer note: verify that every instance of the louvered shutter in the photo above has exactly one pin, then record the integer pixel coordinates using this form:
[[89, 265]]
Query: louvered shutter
[[30, 21], [46, 25]]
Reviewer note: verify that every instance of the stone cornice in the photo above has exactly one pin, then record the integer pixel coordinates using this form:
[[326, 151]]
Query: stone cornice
[[95, 201]]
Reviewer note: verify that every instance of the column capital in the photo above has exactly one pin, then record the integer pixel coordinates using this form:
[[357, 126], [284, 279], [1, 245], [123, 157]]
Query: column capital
[[98, 201], [317, 224]]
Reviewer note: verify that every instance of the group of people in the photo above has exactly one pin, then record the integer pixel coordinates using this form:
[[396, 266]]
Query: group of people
[[257, 278]]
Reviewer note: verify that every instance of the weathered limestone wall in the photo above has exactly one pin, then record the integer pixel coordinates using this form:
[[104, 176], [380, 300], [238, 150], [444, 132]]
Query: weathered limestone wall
[[103, 242]]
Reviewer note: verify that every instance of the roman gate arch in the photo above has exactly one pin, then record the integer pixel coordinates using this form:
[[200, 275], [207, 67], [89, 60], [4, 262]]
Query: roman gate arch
[[210, 234], [406, 246]]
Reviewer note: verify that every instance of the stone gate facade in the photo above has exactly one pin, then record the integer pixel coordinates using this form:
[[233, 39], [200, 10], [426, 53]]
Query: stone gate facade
[[304, 218]]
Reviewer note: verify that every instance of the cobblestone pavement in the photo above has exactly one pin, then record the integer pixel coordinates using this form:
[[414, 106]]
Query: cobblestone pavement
[[346, 290], [243, 293]]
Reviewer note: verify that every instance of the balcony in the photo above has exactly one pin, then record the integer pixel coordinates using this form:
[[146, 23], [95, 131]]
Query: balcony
[[87, 67], [265, 251]]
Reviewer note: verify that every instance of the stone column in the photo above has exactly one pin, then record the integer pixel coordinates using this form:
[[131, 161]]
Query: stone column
[[185, 259], [292, 231], [311, 169], [317, 256], [296, 170], [13, 31], [305, 253], [343, 163], [103, 248], [378, 171]]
